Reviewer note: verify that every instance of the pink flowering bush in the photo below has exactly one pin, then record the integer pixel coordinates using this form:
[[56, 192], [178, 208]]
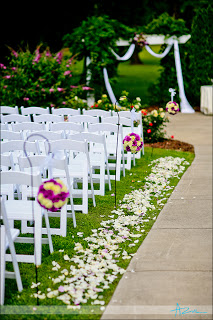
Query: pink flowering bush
[[40, 79]]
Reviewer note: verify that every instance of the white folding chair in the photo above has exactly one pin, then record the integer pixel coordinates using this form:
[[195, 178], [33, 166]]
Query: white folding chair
[[84, 119], [66, 111], [78, 170], [67, 127], [39, 162], [98, 158], [8, 236], [113, 134], [126, 125], [35, 110], [47, 119], [28, 210], [9, 110]]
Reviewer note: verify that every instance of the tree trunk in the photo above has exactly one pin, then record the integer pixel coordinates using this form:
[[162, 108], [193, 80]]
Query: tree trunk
[[135, 58]]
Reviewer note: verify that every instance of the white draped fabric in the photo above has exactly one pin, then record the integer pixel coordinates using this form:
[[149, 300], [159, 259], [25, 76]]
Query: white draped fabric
[[127, 55], [108, 87], [159, 55]]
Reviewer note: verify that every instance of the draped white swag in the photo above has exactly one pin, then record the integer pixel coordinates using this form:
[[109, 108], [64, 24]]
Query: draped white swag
[[184, 104]]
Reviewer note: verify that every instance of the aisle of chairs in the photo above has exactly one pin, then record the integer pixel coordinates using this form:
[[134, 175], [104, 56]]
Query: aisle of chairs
[[78, 147]]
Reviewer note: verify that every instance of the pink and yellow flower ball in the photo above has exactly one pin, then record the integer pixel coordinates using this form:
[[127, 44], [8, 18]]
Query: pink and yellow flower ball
[[132, 143], [52, 195], [172, 107]]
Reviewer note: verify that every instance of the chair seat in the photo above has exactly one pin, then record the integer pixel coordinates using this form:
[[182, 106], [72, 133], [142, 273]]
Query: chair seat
[[14, 235], [22, 210]]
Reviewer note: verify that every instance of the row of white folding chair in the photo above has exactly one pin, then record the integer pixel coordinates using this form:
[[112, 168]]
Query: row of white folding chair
[[8, 236], [27, 210], [113, 136], [97, 113], [69, 150], [36, 147]]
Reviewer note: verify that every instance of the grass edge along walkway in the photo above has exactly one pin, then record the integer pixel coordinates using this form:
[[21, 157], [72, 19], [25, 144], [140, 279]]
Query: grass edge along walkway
[[134, 180]]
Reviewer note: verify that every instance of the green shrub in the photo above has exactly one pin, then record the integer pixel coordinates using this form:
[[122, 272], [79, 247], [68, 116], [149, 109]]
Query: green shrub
[[39, 78], [201, 50]]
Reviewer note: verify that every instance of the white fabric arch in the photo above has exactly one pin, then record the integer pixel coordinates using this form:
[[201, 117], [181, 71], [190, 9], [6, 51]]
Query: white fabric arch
[[127, 55], [159, 55], [184, 104]]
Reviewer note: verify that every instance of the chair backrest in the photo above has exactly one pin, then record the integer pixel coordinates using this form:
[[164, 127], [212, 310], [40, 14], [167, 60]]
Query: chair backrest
[[68, 127], [9, 110], [115, 119], [27, 126], [66, 111], [97, 112], [39, 161], [44, 118], [20, 178], [72, 145], [10, 135], [15, 118], [105, 127], [34, 110], [85, 119], [90, 137], [36, 135], [18, 145]]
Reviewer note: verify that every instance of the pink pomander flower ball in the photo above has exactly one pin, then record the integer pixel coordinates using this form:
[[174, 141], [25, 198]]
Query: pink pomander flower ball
[[132, 143], [52, 195], [172, 107]]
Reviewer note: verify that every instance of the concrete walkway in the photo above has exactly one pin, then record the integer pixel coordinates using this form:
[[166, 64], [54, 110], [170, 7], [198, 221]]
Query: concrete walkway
[[174, 263]]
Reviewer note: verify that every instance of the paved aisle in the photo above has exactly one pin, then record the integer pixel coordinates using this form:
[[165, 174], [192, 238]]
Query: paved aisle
[[174, 263]]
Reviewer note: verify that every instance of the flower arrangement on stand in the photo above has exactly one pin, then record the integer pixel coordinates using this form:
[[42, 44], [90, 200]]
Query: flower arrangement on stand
[[140, 39], [172, 107]]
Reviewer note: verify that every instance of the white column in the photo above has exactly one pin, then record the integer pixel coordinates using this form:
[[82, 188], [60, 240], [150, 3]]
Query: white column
[[185, 107], [90, 96]]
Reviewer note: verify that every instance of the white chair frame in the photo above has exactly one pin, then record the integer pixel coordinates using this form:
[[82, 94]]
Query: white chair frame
[[77, 170], [9, 110], [112, 138], [98, 158], [8, 236], [34, 110], [60, 164], [28, 210]]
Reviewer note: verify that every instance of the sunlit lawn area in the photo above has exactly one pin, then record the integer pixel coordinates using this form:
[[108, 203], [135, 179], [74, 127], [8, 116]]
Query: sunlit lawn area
[[135, 79]]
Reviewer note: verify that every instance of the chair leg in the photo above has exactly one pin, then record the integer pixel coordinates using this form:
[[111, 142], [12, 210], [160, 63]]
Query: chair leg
[[48, 231], [37, 238], [2, 265]]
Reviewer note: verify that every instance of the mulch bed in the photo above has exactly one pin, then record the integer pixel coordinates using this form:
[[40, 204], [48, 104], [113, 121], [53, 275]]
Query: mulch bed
[[172, 144]]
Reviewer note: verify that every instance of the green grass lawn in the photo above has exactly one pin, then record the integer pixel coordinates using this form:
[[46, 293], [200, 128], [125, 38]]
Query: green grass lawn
[[135, 79], [135, 179]]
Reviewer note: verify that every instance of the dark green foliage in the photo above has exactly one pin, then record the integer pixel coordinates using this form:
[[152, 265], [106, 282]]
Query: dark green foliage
[[94, 38], [201, 50]]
